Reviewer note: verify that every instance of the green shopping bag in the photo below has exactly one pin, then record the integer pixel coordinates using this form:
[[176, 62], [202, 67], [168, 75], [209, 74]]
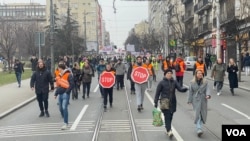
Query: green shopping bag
[[157, 120]]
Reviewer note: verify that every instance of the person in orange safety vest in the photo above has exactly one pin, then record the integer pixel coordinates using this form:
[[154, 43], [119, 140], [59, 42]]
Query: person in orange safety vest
[[200, 65]]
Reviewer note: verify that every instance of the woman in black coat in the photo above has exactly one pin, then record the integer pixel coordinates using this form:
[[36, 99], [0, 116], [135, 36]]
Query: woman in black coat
[[232, 70]]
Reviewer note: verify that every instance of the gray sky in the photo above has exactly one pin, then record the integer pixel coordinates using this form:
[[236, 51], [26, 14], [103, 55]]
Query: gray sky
[[128, 14]]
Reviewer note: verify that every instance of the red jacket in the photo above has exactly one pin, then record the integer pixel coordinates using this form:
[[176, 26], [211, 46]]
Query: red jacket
[[182, 65]]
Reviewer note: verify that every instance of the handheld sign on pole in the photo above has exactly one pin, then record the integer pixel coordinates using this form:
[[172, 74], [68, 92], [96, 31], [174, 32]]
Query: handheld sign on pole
[[140, 75], [107, 79]]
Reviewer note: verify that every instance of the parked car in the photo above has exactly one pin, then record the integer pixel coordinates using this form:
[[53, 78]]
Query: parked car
[[189, 62]]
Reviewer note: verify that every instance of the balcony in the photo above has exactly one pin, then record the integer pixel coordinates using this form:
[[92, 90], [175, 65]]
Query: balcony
[[204, 28], [202, 5]]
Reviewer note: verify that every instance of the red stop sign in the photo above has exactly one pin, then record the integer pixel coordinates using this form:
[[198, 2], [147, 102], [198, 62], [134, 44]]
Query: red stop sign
[[140, 75], [107, 79]]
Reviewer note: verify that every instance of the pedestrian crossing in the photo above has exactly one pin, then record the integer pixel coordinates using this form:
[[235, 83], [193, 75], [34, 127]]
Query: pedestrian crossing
[[44, 129], [107, 126]]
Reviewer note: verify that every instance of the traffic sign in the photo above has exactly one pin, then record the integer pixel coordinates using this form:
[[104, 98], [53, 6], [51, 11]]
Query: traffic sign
[[140, 75], [107, 79]]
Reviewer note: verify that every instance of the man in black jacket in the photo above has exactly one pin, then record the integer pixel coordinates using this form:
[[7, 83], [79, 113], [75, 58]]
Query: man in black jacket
[[18, 67], [40, 81], [166, 90]]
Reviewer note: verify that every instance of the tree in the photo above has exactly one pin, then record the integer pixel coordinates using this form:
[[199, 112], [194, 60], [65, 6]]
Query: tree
[[134, 40], [7, 41]]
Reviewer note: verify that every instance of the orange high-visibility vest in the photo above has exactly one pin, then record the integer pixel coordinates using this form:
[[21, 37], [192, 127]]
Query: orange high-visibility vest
[[149, 67], [200, 66], [62, 81]]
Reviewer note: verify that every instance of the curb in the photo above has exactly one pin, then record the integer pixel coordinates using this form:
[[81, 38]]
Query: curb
[[4, 114]]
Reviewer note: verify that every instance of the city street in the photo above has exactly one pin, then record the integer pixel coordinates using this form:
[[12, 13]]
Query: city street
[[89, 122]]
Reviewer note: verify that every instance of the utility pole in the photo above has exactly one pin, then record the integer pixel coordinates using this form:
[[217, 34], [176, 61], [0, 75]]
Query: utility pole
[[85, 30], [218, 46], [52, 37]]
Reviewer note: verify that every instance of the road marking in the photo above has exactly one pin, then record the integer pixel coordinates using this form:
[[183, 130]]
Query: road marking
[[237, 111], [96, 88], [79, 117], [176, 134]]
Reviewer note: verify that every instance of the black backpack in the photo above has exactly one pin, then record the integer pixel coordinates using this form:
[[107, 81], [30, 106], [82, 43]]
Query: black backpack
[[177, 67]]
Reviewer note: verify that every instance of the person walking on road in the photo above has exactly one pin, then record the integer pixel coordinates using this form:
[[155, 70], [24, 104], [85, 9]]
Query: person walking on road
[[200, 65], [246, 64], [40, 81], [166, 64], [179, 71], [151, 74], [232, 70], [218, 74], [140, 88], [33, 61], [199, 93], [76, 75], [120, 71], [132, 83], [166, 91], [155, 65], [100, 68], [86, 78], [65, 84], [18, 67], [108, 92]]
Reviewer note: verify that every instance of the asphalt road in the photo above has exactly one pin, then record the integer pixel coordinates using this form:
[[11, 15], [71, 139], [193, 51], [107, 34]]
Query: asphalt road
[[115, 124]]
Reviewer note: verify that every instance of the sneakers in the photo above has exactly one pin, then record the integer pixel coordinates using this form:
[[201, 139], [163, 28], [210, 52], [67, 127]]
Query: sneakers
[[218, 93], [170, 134], [41, 114], [64, 127], [47, 114], [199, 133]]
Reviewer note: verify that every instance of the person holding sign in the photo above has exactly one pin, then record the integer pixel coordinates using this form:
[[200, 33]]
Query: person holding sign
[[141, 84], [107, 91]]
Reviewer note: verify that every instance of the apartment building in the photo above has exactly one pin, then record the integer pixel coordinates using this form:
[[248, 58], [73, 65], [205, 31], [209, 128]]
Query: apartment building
[[200, 22], [87, 13], [24, 14], [165, 23]]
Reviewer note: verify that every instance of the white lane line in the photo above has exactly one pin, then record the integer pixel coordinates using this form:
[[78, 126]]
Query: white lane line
[[176, 134], [79, 117], [237, 111], [96, 88]]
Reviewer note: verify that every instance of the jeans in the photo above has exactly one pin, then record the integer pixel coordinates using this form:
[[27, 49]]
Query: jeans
[[150, 81], [75, 91], [18, 77], [199, 124], [43, 103], [219, 85], [180, 80], [107, 92], [86, 87], [247, 70], [168, 116], [120, 81], [63, 106], [140, 92]]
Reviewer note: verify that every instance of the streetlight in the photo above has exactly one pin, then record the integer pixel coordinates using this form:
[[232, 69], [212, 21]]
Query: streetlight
[[52, 37], [85, 27]]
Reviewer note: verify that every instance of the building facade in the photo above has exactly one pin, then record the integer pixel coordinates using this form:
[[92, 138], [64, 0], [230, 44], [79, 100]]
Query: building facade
[[88, 15]]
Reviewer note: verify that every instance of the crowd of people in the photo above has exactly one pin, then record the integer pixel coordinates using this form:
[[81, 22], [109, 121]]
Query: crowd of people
[[69, 77]]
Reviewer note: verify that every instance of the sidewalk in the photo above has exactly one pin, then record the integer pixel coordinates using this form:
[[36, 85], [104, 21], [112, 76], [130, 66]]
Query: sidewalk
[[13, 98], [244, 84]]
